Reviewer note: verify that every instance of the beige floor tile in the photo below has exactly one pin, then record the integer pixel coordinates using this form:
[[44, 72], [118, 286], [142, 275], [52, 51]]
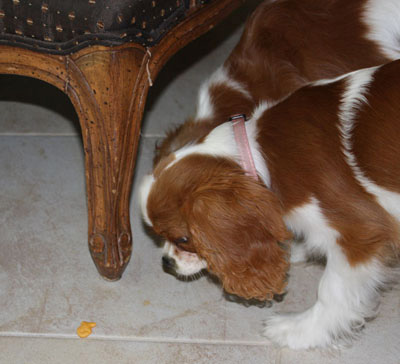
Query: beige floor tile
[[49, 283], [61, 351]]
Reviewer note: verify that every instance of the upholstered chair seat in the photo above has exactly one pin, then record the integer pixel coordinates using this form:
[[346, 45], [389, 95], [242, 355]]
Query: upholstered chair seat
[[66, 26]]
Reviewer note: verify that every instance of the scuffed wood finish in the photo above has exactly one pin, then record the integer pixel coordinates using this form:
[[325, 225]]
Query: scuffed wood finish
[[110, 103], [108, 88]]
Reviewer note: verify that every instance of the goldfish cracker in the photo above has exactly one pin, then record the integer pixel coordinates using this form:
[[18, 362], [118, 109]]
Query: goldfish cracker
[[85, 329]]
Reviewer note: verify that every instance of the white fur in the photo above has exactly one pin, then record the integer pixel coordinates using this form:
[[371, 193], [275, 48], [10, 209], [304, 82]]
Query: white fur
[[205, 108], [308, 222], [221, 143], [298, 252], [389, 200], [353, 98], [187, 264], [346, 295], [326, 81], [144, 192], [362, 79], [382, 20], [252, 133]]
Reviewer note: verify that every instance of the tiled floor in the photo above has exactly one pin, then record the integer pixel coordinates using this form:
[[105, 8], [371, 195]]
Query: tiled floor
[[48, 283]]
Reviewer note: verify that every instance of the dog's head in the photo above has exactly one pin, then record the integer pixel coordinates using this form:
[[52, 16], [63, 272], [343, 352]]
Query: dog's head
[[213, 216]]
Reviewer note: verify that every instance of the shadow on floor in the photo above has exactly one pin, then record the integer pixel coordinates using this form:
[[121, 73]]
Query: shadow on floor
[[36, 92]]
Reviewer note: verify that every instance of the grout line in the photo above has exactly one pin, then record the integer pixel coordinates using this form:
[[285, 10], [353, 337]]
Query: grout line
[[136, 339], [38, 134]]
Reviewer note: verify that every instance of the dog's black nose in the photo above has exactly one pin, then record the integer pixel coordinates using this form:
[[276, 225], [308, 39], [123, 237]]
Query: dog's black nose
[[168, 263]]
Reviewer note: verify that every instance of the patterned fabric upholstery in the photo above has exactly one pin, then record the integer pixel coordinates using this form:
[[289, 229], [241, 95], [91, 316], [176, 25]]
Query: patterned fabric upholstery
[[65, 26]]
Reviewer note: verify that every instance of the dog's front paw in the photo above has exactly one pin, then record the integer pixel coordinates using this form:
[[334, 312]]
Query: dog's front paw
[[296, 331]]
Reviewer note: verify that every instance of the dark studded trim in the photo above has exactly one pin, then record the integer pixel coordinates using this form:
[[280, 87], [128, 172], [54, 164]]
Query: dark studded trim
[[64, 27]]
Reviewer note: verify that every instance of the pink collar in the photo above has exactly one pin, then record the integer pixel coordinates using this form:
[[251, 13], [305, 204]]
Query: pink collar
[[242, 141]]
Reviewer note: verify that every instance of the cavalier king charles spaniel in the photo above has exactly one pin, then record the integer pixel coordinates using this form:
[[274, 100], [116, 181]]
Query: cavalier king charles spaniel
[[313, 171]]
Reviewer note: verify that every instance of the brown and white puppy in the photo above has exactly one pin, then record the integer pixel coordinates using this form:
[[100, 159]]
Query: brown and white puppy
[[285, 45], [326, 158]]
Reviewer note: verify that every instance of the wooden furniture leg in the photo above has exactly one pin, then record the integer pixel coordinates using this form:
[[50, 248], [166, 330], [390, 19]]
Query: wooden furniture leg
[[109, 87]]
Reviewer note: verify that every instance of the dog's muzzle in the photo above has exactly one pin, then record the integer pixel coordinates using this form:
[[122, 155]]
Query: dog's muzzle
[[169, 264]]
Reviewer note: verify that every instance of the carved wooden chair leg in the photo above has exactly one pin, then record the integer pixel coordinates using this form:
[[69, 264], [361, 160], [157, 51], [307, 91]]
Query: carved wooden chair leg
[[108, 88]]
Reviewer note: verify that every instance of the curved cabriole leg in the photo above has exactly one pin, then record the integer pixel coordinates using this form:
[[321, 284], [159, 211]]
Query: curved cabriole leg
[[108, 88]]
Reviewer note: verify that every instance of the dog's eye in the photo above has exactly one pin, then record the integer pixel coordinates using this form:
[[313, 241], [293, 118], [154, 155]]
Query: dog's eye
[[182, 240]]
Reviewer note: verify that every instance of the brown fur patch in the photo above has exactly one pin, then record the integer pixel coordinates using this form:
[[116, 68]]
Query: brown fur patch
[[164, 163], [376, 141], [301, 139], [285, 45], [232, 221]]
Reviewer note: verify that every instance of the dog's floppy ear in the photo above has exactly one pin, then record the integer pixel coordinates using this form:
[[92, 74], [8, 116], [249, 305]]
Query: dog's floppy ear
[[237, 227]]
